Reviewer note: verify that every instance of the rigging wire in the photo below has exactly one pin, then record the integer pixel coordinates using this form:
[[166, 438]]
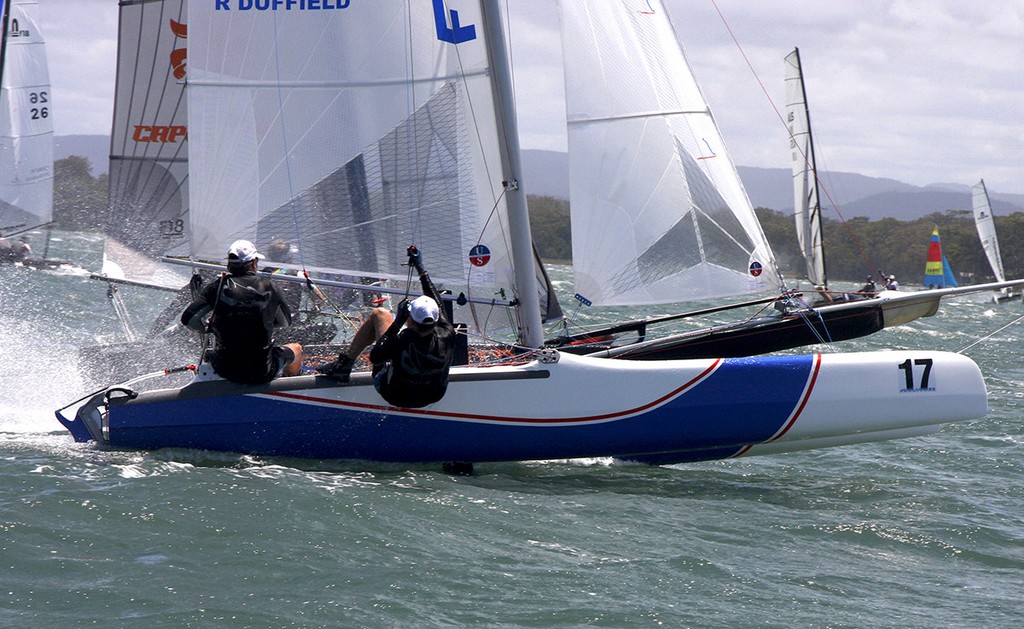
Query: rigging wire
[[284, 140], [295, 208], [991, 334], [778, 114]]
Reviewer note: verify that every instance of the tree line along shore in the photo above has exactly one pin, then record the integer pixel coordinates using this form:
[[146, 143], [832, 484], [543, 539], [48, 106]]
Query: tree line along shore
[[854, 249]]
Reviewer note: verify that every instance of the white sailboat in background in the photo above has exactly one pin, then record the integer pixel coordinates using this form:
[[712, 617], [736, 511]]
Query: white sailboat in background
[[985, 222], [408, 136], [806, 201], [658, 211], [26, 122], [148, 190], [147, 212]]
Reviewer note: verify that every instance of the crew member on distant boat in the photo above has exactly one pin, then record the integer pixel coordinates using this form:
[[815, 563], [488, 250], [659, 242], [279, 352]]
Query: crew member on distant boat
[[412, 352], [891, 283], [14, 251], [869, 287], [280, 250], [245, 307]]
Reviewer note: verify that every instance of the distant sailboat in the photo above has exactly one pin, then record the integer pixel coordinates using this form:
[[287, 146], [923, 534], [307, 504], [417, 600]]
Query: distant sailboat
[[148, 190], [26, 123], [986, 225], [896, 308], [147, 213], [937, 272], [806, 202]]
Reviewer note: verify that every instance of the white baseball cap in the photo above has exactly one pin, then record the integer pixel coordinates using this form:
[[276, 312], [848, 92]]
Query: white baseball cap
[[243, 251], [424, 310]]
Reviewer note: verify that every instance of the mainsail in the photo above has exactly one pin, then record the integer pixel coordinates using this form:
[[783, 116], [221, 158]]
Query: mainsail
[[986, 225], [26, 124], [148, 193], [806, 203], [659, 213], [330, 136]]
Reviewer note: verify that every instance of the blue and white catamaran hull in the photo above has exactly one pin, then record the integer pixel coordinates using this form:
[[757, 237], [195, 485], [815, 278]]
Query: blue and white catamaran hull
[[562, 406]]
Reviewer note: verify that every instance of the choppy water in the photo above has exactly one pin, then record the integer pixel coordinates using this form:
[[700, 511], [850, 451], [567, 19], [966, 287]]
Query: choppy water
[[924, 532]]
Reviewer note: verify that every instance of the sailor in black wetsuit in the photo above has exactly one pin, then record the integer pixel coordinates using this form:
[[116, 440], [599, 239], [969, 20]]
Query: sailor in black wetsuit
[[412, 357], [246, 307], [411, 364]]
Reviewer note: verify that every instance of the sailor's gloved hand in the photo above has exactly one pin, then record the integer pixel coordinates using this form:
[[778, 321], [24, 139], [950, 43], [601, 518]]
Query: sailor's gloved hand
[[415, 260], [195, 284], [403, 310]]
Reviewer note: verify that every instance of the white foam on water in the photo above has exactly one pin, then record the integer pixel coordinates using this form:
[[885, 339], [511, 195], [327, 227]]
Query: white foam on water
[[40, 374]]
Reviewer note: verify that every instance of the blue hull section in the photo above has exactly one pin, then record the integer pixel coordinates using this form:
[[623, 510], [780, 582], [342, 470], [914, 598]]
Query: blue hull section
[[740, 402]]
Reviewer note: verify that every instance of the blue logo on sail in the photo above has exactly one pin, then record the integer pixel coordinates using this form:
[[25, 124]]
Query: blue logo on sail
[[456, 33]]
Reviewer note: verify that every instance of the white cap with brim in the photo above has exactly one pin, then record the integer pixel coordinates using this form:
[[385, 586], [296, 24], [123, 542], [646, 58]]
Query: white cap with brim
[[424, 310], [242, 251]]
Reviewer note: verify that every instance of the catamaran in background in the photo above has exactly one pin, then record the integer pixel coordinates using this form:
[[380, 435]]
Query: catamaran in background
[[937, 272], [659, 213], [26, 136], [985, 222], [408, 136], [690, 232], [147, 214]]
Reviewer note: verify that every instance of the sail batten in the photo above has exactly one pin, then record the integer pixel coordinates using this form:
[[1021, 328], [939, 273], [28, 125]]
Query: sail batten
[[578, 119], [334, 84]]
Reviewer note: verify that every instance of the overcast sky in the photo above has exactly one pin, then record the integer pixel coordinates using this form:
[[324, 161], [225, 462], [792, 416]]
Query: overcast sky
[[919, 91]]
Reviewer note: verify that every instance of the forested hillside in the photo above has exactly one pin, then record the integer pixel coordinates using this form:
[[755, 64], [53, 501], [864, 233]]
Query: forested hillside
[[854, 249], [861, 246]]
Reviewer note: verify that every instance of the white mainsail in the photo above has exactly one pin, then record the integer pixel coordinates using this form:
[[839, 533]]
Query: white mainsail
[[148, 189], [659, 213], [806, 203], [26, 122], [351, 132], [987, 229]]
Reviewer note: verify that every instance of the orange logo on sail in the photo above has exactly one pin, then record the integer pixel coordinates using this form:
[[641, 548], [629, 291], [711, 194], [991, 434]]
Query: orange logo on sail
[[179, 55]]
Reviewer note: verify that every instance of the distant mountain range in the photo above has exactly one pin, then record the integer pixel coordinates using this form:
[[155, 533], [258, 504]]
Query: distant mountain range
[[547, 173]]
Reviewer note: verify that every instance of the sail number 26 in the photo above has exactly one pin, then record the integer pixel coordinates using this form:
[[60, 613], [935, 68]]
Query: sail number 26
[[39, 101], [908, 369]]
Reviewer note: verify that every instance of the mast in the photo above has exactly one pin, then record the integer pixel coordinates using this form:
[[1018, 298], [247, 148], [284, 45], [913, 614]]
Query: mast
[[530, 333], [3, 36]]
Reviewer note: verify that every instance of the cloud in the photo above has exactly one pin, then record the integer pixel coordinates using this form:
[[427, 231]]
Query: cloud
[[81, 49], [924, 93], [921, 92]]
